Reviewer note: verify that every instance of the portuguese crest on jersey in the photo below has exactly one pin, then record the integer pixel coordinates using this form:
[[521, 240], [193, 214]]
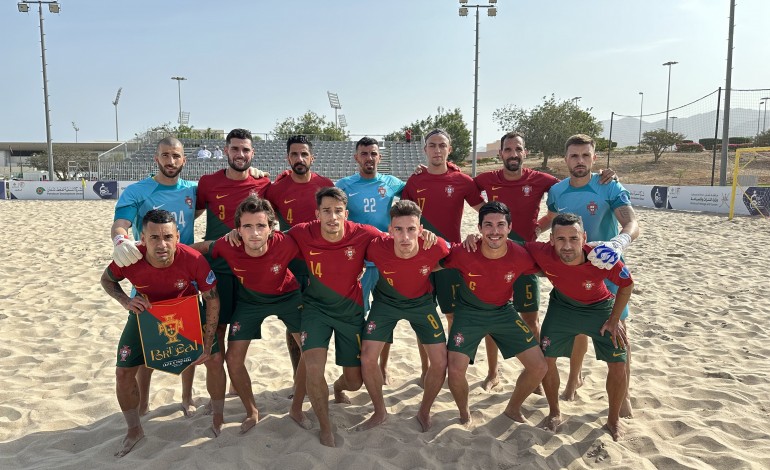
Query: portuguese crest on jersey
[[125, 351], [350, 252], [449, 190], [180, 284], [370, 327], [545, 343], [458, 339], [592, 207], [302, 338], [235, 328], [275, 269], [588, 284], [424, 270], [527, 190], [381, 190], [509, 276], [188, 200]]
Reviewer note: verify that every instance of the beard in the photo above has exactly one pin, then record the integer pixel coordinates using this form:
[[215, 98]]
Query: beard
[[170, 173], [300, 168], [512, 164]]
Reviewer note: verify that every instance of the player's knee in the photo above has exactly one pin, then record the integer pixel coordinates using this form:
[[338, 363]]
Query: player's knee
[[125, 375], [216, 362]]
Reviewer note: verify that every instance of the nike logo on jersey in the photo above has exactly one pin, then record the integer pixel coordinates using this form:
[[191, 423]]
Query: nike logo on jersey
[[529, 340], [529, 304], [495, 188], [436, 335], [561, 209], [141, 287], [352, 194], [288, 201], [618, 354], [550, 274], [157, 207], [474, 275], [220, 196], [313, 253], [239, 270], [388, 272], [421, 190]]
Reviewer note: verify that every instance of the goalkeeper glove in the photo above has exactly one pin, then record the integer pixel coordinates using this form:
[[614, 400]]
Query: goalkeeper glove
[[125, 252], [605, 255]]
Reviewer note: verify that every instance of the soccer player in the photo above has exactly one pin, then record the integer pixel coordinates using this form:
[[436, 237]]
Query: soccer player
[[441, 192], [166, 265], [334, 250], [484, 308], [166, 190], [219, 195], [370, 196], [292, 196], [602, 208], [403, 292], [268, 288], [581, 304]]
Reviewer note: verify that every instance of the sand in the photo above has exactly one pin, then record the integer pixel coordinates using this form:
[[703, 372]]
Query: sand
[[700, 384]]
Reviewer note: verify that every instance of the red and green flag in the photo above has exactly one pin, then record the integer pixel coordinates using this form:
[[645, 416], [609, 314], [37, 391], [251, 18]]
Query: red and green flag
[[171, 333]]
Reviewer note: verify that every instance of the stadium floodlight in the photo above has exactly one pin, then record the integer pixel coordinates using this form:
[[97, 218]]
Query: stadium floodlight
[[334, 102], [491, 11], [75, 126], [179, 89], [668, 94], [53, 7], [343, 121], [115, 103]]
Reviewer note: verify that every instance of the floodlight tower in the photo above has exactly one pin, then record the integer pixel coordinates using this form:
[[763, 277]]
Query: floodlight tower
[[179, 89], [343, 121], [491, 11], [115, 103], [53, 7], [668, 93], [641, 111], [334, 102], [77, 129]]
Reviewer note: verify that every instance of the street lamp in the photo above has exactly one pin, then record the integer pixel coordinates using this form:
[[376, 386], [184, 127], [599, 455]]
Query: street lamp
[[74, 126], [641, 109], [53, 7], [575, 100], [668, 94], [491, 11], [115, 103], [179, 88]]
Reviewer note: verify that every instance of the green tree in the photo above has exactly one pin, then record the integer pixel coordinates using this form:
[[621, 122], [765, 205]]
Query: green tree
[[68, 164], [659, 140], [452, 122], [547, 126], [310, 124], [763, 139]]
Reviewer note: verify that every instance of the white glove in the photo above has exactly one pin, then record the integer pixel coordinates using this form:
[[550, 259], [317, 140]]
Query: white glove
[[606, 254], [125, 252]]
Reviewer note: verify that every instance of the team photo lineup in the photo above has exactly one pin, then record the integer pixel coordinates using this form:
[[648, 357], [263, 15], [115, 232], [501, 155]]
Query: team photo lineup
[[352, 258]]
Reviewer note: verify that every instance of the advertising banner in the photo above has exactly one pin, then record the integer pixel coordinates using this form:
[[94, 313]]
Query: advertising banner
[[645, 195], [171, 333], [63, 190]]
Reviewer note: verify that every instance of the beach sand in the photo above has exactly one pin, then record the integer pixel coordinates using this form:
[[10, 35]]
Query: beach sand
[[700, 385]]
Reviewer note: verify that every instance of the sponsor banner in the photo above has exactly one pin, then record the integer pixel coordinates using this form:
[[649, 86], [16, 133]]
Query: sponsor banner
[[171, 333], [122, 185], [756, 200], [645, 195], [715, 199], [63, 190]]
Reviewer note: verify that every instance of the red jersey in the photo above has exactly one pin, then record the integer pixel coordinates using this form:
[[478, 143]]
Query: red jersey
[[267, 274], [220, 196], [189, 269], [334, 267], [489, 280], [409, 277], [522, 196], [441, 199], [583, 283], [295, 202]]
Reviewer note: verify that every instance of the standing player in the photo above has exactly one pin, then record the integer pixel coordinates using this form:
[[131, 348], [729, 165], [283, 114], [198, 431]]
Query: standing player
[[601, 207], [334, 250], [441, 192], [169, 270], [220, 194], [292, 195], [168, 191], [370, 196], [484, 308], [403, 292], [581, 304], [268, 288]]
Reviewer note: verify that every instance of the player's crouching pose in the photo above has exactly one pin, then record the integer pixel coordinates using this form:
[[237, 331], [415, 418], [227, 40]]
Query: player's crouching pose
[[581, 303], [267, 288], [164, 267]]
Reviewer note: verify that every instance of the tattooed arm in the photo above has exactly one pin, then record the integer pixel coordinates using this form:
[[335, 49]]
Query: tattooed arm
[[212, 318], [112, 287], [627, 218]]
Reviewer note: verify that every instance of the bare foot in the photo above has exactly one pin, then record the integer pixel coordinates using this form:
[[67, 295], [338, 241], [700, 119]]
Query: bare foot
[[249, 423], [133, 436], [490, 382], [570, 391], [232, 392], [538, 390], [340, 396], [385, 376], [327, 438], [425, 421], [144, 409], [216, 425], [626, 411], [616, 429], [421, 382], [553, 422], [373, 421], [188, 408], [516, 416], [300, 418], [466, 421]]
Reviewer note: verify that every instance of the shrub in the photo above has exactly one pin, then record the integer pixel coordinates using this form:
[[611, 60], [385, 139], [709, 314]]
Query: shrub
[[689, 147], [740, 140], [708, 144]]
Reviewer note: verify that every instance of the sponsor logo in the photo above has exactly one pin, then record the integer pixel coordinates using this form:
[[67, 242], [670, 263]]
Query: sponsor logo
[[235, 328], [141, 287], [220, 196], [550, 274], [388, 272], [592, 207], [436, 335], [313, 253], [495, 188], [618, 354], [239, 270], [125, 351], [157, 207], [287, 201], [474, 275], [421, 190], [211, 278], [352, 194], [170, 327], [624, 274], [561, 209], [40, 190], [529, 305], [529, 340], [458, 339]]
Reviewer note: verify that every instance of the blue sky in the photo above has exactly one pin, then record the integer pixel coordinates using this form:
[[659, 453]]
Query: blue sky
[[250, 64]]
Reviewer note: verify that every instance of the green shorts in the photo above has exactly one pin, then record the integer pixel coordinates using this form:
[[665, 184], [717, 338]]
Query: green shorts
[[526, 293], [445, 285], [130, 345], [566, 319], [383, 318], [316, 332], [505, 326], [248, 317], [227, 288]]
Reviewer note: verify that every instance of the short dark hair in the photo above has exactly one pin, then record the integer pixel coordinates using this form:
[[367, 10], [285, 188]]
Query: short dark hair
[[169, 141], [158, 216], [567, 219], [253, 205], [512, 135], [403, 208], [494, 207], [238, 134], [365, 142], [579, 139], [438, 131], [333, 192], [298, 139]]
